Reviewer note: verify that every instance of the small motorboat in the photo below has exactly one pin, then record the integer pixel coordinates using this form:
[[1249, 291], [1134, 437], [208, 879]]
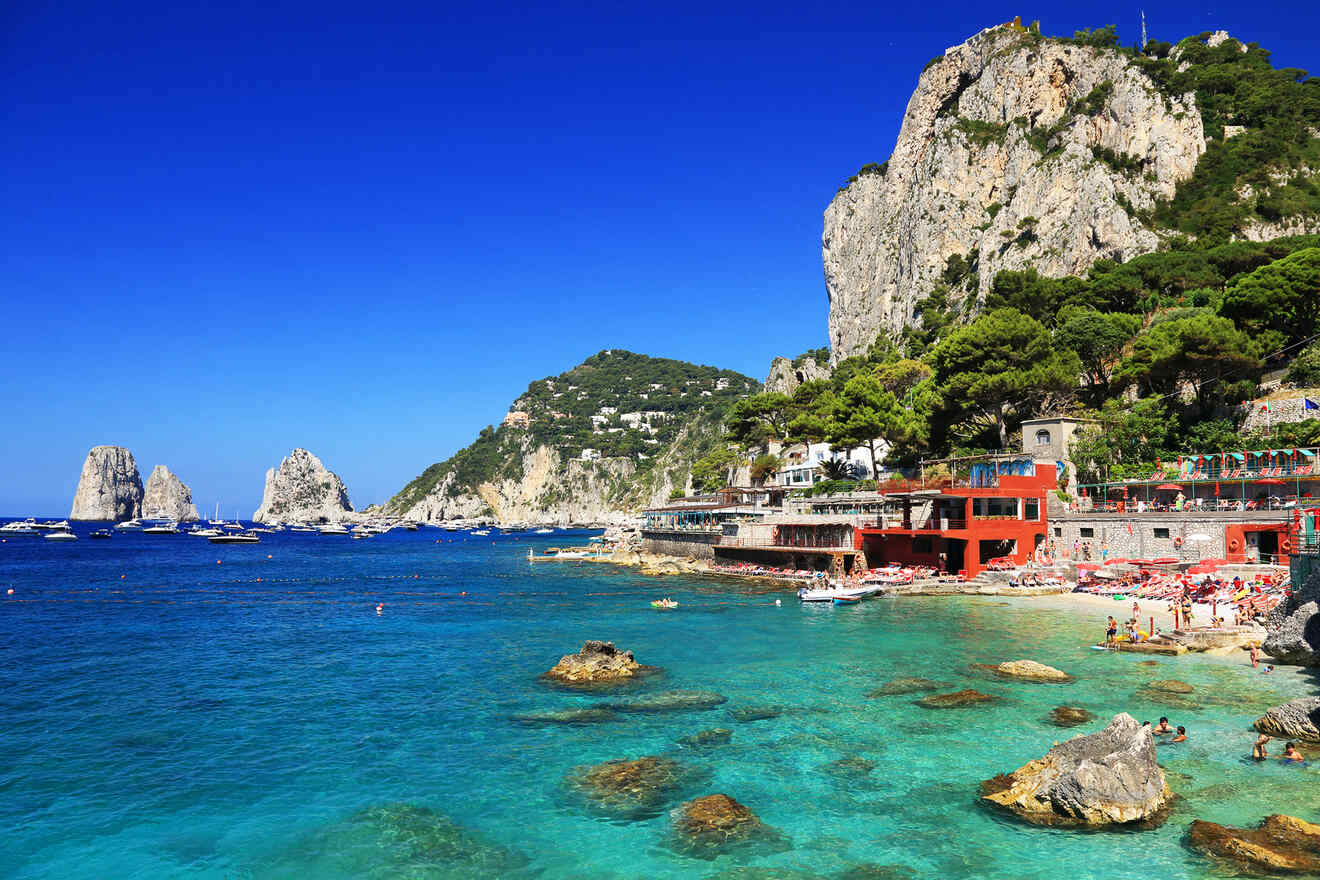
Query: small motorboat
[[165, 528], [665, 603], [101, 534], [482, 532], [231, 538], [545, 531], [847, 600], [130, 525], [334, 529], [60, 536], [359, 536]]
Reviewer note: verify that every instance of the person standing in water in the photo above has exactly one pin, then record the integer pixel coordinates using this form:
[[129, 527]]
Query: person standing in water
[[1255, 655], [1111, 631], [1258, 751], [1291, 755]]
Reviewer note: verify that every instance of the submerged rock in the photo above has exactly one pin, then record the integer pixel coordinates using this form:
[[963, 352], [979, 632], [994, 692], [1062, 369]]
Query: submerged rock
[[708, 825], [715, 736], [399, 840], [672, 701], [1295, 719], [593, 715], [851, 765], [904, 686], [1282, 844], [872, 871], [596, 663], [1149, 663], [110, 487], [955, 700], [1069, 716], [1171, 686], [755, 713], [1029, 670], [631, 789], [1106, 778]]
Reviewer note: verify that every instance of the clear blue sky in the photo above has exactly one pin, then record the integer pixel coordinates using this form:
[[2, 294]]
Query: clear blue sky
[[236, 228]]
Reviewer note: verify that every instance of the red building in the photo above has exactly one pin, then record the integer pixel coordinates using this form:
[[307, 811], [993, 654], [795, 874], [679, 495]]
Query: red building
[[998, 510]]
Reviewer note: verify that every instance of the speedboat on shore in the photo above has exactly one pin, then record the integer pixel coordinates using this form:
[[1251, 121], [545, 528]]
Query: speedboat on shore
[[64, 535]]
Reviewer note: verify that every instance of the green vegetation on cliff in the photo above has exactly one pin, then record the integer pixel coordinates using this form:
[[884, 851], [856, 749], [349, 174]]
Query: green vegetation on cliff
[[654, 412]]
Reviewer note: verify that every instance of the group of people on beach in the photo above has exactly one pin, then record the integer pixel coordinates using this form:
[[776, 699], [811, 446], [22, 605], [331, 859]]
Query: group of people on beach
[[1291, 754]]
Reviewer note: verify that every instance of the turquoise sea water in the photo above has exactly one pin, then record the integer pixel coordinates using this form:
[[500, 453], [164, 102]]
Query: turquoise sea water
[[162, 715]]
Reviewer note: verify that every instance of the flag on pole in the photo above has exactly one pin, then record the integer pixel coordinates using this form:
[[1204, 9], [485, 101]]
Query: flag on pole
[[1308, 403], [1265, 407]]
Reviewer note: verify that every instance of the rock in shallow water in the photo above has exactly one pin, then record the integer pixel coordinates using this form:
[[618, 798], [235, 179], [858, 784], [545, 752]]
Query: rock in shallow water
[[631, 789], [593, 715], [1029, 670], [1296, 719], [1171, 686], [852, 765], [709, 825], [1282, 844], [755, 713], [904, 686], [672, 701], [596, 663], [1104, 779], [1069, 716], [955, 700], [716, 736]]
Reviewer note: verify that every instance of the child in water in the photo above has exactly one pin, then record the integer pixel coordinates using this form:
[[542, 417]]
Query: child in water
[[1258, 752], [1292, 756]]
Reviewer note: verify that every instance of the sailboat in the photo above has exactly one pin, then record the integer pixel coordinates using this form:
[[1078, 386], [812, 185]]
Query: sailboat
[[217, 521]]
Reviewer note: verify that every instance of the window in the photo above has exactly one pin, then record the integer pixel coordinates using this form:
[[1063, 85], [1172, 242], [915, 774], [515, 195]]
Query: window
[[995, 508], [1031, 509], [1161, 533], [1042, 437], [1088, 533], [1058, 532]]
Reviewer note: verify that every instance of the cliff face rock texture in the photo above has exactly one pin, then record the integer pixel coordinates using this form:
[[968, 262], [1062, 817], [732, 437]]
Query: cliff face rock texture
[[303, 489], [168, 497], [1107, 778], [110, 488], [1009, 155], [1294, 626], [785, 375]]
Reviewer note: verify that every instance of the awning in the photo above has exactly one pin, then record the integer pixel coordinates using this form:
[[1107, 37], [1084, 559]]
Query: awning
[[1308, 453], [1239, 456]]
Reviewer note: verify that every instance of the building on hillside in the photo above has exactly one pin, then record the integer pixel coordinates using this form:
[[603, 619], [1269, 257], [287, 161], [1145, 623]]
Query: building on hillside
[[1052, 437], [518, 419], [994, 507], [802, 463], [589, 455], [691, 526]]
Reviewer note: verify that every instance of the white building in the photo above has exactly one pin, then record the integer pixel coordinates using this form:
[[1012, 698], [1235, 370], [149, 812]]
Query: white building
[[607, 410], [802, 463], [632, 420], [590, 455]]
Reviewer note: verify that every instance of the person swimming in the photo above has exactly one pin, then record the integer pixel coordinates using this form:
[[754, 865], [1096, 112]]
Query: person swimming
[[1258, 751], [1163, 727], [1182, 735], [1291, 755]]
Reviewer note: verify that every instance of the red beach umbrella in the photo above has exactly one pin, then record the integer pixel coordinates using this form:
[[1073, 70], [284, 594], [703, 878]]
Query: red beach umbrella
[[1169, 487], [1270, 481]]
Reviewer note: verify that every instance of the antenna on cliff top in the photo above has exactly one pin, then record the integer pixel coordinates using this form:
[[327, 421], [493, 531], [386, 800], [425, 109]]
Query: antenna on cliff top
[[1143, 30]]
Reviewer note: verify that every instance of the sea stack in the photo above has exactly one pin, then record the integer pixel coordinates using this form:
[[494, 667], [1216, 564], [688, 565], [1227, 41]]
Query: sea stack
[[110, 488], [301, 488], [168, 497]]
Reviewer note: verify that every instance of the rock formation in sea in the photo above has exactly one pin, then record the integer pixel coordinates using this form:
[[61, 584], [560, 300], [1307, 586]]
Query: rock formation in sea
[[1281, 845], [1295, 719], [1294, 626], [168, 497], [955, 700], [1001, 161], [1069, 716], [596, 663], [1104, 779], [110, 487], [708, 825], [302, 489], [1028, 670], [631, 789]]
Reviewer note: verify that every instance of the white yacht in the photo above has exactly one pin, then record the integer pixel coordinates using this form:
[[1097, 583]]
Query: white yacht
[[334, 529], [230, 538], [162, 528], [62, 535], [16, 529], [205, 533], [52, 526], [129, 525]]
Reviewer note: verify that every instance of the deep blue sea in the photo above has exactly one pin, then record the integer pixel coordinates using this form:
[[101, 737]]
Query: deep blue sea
[[172, 708]]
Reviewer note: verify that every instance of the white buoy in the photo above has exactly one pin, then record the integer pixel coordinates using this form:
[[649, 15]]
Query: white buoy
[[779, 602]]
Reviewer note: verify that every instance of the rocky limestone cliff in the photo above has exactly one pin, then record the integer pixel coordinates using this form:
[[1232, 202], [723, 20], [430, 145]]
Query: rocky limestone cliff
[[110, 488], [554, 490], [302, 489], [998, 160], [785, 375], [168, 497]]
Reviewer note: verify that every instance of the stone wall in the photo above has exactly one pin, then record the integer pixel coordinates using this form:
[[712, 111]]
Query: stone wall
[[1152, 535], [1282, 410], [674, 542]]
